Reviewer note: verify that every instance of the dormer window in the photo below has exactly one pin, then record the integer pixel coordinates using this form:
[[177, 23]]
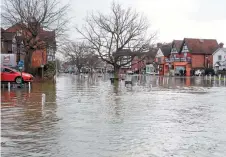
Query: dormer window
[[174, 50]]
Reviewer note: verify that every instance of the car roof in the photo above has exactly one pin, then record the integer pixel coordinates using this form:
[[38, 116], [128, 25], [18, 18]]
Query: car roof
[[5, 67]]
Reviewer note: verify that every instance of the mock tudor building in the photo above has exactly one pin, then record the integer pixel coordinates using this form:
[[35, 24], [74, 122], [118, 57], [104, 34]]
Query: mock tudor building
[[191, 53]]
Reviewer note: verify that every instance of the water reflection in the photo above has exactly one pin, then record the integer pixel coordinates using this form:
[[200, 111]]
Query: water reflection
[[88, 116], [25, 121]]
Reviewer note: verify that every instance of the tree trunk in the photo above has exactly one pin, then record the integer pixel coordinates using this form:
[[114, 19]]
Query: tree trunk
[[27, 61], [79, 70], [116, 78], [91, 71], [116, 71]]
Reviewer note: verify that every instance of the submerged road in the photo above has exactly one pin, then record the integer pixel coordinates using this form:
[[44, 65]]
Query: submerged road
[[89, 117]]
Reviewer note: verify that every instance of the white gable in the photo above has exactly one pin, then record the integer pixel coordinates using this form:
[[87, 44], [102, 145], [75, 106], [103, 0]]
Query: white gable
[[173, 49], [185, 48], [159, 53], [219, 56]]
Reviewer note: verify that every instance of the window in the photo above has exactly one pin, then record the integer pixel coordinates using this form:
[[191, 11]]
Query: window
[[7, 70], [219, 57]]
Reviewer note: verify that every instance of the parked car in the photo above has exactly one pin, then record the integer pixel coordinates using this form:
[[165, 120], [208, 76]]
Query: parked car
[[199, 72], [12, 75], [209, 71], [129, 72]]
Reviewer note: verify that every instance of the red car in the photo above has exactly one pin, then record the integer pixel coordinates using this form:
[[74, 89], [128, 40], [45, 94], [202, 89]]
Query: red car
[[12, 75]]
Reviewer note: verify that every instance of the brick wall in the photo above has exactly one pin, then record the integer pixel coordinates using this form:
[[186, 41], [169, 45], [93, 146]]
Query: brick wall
[[199, 61], [137, 64]]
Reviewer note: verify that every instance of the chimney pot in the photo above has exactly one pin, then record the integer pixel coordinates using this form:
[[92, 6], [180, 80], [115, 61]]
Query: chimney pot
[[221, 45]]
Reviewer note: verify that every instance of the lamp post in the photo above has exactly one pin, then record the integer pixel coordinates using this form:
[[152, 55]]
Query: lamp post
[[207, 61], [17, 49]]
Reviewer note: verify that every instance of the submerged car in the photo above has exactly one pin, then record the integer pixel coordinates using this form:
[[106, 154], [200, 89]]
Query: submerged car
[[199, 72], [12, 75]]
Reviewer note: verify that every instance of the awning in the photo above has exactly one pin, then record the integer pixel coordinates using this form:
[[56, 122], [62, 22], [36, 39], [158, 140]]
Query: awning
[[180, 63]]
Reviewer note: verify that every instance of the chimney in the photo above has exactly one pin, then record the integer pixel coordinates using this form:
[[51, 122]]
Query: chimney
[[221, 45]]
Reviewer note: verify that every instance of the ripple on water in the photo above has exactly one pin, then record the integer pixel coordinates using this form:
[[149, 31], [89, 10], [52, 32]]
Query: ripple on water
[[88, 117]]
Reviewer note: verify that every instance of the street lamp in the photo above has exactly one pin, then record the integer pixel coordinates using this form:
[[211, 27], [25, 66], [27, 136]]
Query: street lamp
[[207, 61]]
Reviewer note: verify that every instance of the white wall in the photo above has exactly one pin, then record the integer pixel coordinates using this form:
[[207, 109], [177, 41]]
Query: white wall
[[217, 53], [159, 53]]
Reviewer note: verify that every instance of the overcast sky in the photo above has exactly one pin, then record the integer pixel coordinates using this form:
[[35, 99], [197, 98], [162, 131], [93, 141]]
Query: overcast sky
[[173, 19]]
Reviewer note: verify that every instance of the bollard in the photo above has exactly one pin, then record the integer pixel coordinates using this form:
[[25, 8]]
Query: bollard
[[219, 77], [210, 77], [9, 86], [206, 77], [43, 99], [224, 79], [29, 86], [151, 86]]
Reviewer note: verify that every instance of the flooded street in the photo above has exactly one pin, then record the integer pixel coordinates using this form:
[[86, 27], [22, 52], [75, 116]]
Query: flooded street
[[89, 117]]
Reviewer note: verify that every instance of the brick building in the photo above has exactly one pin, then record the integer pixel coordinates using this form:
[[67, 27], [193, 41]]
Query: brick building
[[192, 53], [161, 58], [46, 44]]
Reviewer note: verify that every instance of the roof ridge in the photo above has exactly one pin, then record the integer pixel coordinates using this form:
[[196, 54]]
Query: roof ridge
[[199, 39]]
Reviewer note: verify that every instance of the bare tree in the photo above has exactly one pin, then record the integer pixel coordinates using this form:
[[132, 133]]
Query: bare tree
[[77, 53], [31, 17], [121, 33], [92, 61]]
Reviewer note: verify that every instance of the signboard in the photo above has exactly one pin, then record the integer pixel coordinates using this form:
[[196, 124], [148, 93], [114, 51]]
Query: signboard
[[8, 60], [21, 64], [39, 58]]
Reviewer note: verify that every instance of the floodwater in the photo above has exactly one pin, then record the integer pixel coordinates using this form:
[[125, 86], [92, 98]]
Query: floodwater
[[89, 117]]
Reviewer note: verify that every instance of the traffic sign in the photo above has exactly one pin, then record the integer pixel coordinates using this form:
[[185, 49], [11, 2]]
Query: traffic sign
[[21, 63]]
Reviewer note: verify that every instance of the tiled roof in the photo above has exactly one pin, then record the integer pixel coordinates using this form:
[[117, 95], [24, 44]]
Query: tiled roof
[[152, 53], [44, 35], [48, 36], [123, 52], [178, 44], [166, 49], [201, 46]]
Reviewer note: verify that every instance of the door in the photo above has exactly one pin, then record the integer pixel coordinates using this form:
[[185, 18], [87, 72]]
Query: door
[[7, 75]]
